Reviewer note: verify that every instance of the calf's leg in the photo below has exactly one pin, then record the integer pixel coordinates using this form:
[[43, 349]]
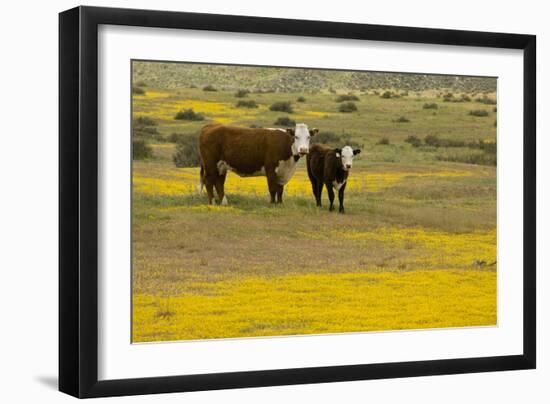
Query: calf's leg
[[341, 198], [280, 190], [330, 195], [318, 192]]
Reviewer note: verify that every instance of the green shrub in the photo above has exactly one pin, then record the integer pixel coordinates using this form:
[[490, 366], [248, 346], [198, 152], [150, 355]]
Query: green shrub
[[431, 105], [282, 106], [300, 99], [187, 152], [486, 100], [285, 121], [384, 141], [141, 83], [144, 121], [386, 95], [347, 97], [432, 140], [413, 140], [246, 104], [242, 93], [326, 137], [402, 119], [176, 137], [435, 141], [189, 115], [209, 87], [448, 97], [335, 140], [469, 157], [347, 107], [138, 90], [479, 112], [141, 150]]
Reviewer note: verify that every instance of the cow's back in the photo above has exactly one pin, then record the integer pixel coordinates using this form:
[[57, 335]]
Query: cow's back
[[245, 150]]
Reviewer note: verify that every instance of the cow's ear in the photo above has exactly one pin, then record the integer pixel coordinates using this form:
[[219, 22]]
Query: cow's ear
[[313, 132], [290, 131], [356, 152], [338, 152]]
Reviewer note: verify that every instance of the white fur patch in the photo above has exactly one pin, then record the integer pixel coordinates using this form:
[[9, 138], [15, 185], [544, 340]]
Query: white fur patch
[[223, 167], [337, 185], [285, 170]]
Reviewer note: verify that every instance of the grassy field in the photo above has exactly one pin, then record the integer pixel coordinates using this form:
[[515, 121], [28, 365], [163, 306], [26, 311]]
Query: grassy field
[[415, 249]]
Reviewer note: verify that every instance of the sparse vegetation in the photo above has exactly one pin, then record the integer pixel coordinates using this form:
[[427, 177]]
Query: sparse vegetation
[[209, 87], [242, 93], [187, 151], [282, 106], [413, 140], [189, 115], [246, 104], [479, 112], [347, 107], [430, 105], [141, 150], [300, 99], [383, 141], [347, 97], [285, 121], [486, 100], [402, 119], [144, 121], [389, 94]]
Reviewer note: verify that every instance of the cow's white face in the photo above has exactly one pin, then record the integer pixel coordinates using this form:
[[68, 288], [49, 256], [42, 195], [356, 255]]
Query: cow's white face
[[346, 155], [302, 136]]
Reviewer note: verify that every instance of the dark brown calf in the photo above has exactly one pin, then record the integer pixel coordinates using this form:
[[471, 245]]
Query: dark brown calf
[[330, 167]]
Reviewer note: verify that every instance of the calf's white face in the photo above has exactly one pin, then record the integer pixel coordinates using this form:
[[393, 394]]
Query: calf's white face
[[302, 136], [346, 154]]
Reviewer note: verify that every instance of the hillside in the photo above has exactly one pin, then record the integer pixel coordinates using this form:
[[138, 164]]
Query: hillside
[[163, 75]]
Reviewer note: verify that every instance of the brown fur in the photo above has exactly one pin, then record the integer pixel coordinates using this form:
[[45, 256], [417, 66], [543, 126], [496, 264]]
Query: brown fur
[[246, 151]]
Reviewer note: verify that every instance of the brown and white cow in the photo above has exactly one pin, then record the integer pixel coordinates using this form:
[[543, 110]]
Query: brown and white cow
[[330, 167], [251, 152]]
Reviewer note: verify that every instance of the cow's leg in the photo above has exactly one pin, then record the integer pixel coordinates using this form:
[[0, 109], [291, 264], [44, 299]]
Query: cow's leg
[[330, 191], [341, 198], [209, 174], [318, 191], [210, 191], [272, 183], [280, 190], [220, 181]]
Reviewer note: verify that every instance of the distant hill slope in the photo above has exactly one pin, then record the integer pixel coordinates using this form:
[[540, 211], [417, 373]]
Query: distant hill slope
[[174, 75]]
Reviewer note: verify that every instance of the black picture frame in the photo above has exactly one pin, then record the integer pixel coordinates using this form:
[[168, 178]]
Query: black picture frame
[[78, 201]]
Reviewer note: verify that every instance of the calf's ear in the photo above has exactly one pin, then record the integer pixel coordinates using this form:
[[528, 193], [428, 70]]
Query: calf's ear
[[356, 152], [290, 131], [337, 151], [313, 132]]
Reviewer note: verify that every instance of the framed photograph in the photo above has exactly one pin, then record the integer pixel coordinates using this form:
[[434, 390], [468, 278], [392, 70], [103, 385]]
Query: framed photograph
[[252, 202]]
